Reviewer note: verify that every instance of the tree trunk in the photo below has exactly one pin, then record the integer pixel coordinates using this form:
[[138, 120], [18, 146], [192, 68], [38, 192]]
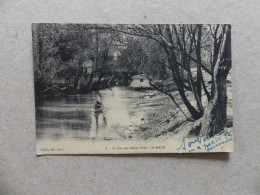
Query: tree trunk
[[214, 118], [215, 115], [199, 74], [178, 81], [96, 86]]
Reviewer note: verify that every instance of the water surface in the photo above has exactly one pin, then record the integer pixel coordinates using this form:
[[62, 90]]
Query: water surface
[[74, 117]]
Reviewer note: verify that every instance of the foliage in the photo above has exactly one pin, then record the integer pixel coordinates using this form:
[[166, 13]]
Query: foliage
[[188, 57]]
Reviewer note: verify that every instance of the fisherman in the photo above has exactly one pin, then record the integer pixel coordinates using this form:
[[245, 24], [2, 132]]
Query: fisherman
[[98, 105]]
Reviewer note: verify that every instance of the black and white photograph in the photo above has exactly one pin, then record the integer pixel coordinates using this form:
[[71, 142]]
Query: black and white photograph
[[132, 88]]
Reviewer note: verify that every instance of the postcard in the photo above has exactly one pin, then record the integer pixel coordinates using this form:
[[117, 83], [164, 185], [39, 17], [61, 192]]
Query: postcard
[[132, 88]]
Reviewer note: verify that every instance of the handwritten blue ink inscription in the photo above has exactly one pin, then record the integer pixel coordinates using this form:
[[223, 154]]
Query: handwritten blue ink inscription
[[206, 144]]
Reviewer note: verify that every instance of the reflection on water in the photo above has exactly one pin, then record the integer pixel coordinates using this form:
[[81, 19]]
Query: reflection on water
[[74, 116]]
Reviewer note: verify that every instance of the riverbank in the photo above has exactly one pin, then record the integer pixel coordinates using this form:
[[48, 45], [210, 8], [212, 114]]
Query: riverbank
[[127, 115], [166, 120], [163, 118], [78, 85]]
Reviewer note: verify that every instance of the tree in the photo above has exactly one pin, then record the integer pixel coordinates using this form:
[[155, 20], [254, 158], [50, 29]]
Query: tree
[[214, 119], [63, 48], [179, 53], [183, 47]]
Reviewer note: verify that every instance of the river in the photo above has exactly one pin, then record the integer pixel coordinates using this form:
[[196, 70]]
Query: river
[[73, 117]]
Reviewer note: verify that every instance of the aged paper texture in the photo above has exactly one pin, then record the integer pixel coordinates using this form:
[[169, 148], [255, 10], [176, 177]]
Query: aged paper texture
[[128, 88]]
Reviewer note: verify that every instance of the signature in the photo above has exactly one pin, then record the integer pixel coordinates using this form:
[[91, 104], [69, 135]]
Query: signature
[[204, 143]]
